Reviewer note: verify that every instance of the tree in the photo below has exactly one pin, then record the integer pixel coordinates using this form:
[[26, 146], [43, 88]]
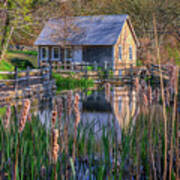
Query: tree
[[19, 17]]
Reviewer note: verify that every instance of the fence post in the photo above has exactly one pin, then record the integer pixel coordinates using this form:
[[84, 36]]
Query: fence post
[[65, 67], [95, 66], [50, 72], [86, 70], [81, 66], [16, 78], [27, 76]]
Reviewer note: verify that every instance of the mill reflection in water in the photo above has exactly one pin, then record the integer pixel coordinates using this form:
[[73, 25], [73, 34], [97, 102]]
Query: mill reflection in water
[[109, 108]]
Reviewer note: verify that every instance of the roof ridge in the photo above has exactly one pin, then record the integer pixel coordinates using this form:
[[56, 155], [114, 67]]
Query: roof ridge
[[101, 15]]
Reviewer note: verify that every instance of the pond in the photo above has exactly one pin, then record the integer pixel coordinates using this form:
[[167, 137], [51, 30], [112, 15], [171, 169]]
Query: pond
[[103, 132]]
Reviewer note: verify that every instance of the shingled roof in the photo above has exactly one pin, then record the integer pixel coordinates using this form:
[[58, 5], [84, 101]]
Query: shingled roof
[[82, 30]]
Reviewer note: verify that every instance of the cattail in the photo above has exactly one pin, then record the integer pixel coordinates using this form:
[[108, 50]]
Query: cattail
[[24, 114], [137, 84], [150, 98], [7, 117], [76, 109], [77, 120], [53, 119], [107, 91], [60, 108], [69, 103], [55, 146]]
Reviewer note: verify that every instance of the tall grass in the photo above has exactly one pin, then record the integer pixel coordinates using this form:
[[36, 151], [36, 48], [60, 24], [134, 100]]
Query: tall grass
[[80, 153]]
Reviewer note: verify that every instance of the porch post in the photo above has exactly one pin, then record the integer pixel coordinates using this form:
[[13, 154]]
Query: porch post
[[38, 57]]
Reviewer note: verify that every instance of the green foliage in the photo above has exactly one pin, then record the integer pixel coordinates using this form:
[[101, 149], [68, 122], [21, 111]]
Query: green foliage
[[96, 156], [34, 53], [22, 64], [139, 62], [22, 59], [175, 54], [70, 83], [6, 66]]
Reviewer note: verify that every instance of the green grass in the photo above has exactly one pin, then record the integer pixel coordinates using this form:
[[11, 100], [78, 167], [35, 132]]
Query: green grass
[[71, 83], [6, 66], [34, 53], [22, 58], [101, 157]]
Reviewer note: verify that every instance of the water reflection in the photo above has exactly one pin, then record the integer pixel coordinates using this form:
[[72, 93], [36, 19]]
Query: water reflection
[[109, 107]]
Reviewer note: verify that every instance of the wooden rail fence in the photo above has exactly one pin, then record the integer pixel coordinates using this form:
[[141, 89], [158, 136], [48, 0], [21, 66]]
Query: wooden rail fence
[[124, 72], [23, 79]]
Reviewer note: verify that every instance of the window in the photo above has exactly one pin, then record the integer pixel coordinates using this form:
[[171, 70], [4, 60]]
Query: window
[[68, 54], [55, 53], [120, 52], [130, 53], [120, 104], [44, 53]]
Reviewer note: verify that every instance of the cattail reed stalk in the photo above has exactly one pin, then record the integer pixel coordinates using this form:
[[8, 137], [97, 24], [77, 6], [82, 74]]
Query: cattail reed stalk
[[24, 114], [163, 97], [177, 147], [69, 103], [53, 119], [149, 91], [107, 91], [151, 153], [22, 122], [77, 120], [173, 120], [7, 117], [55, 146], [55, 149], [60, 111], [137, 84]]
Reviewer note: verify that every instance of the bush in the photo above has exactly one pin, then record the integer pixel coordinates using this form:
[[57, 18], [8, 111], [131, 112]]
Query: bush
[[71, 83]]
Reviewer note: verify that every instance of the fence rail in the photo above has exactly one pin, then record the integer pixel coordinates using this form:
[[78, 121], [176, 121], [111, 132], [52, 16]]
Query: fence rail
[[23, 79], [107, 70]]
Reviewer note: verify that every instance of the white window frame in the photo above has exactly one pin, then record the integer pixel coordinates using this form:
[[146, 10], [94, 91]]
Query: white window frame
[[52, 54], [120, 48], [130, 55], [47, 50], [65, 54]]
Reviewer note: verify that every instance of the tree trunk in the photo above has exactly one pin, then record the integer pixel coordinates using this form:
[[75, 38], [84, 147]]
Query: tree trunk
[[5, 43], [6, 33]]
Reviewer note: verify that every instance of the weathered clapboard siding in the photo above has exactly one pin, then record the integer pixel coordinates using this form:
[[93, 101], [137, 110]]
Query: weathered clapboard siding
[[126, 40], [100, 54], [124, 106], [98, 41]]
